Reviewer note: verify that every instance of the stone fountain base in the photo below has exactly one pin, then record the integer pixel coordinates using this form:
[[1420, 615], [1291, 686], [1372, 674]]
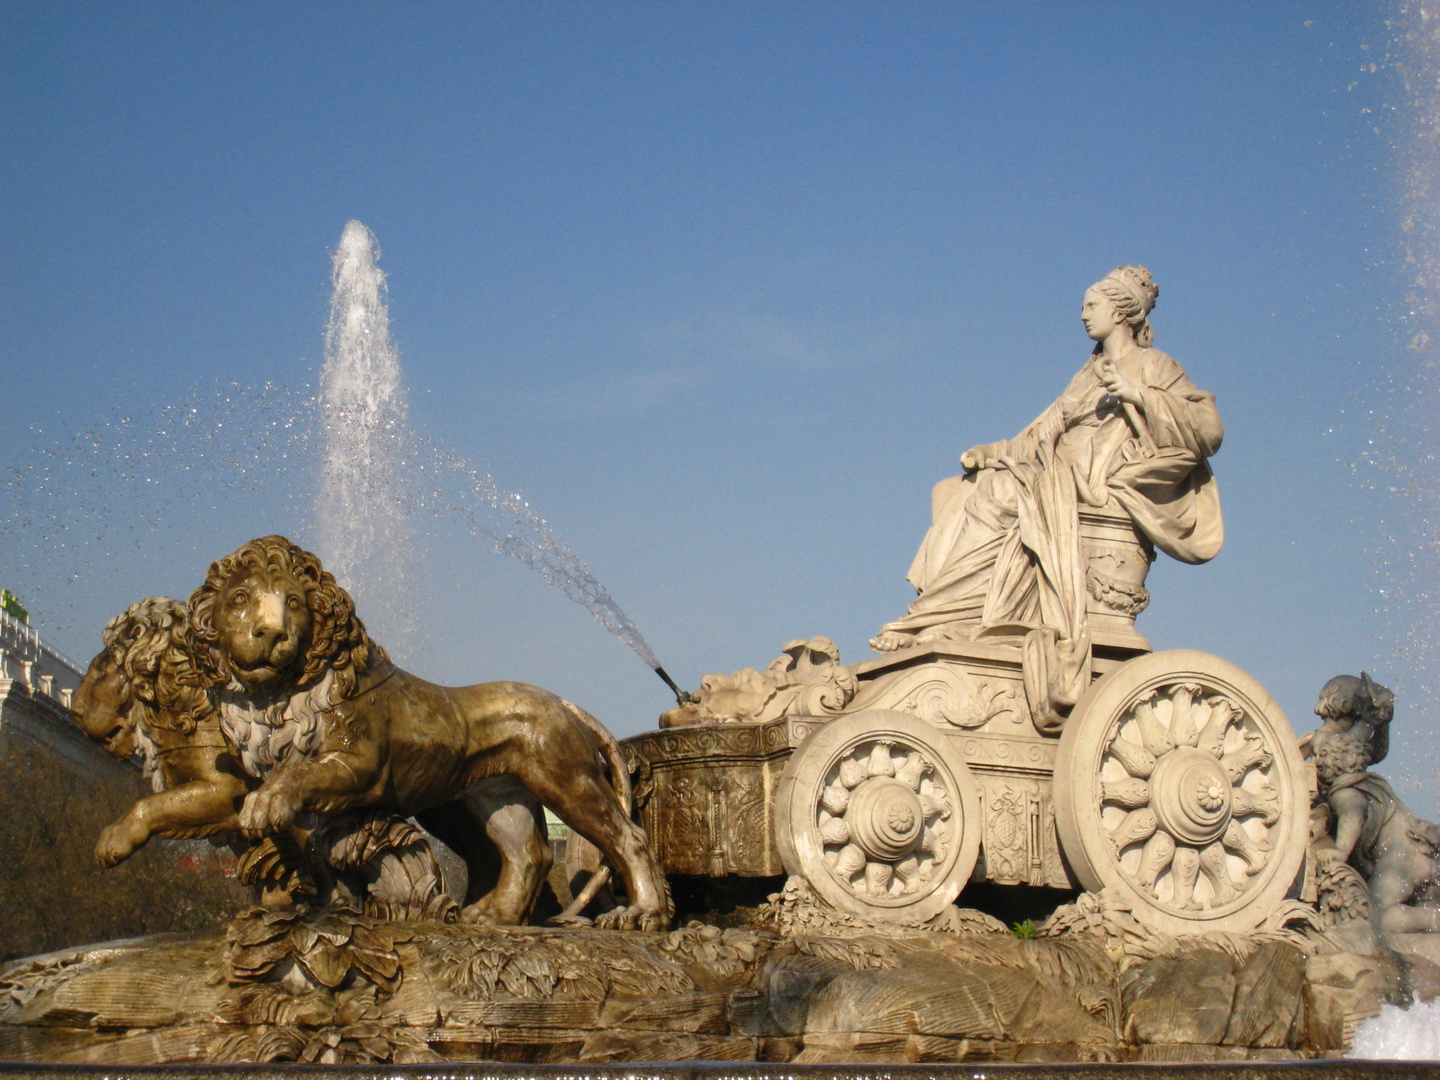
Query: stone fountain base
[[341, 988]]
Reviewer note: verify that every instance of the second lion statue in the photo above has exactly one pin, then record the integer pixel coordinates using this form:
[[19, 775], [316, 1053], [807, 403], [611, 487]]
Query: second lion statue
[[315, 709]]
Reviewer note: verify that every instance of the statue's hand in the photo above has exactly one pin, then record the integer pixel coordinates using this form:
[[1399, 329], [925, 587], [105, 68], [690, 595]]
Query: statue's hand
[[270, 809], [979, 457], [1110, 374]]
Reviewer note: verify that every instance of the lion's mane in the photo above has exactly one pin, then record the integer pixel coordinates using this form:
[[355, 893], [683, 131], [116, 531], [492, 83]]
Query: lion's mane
[[151, 650], [338, 640]]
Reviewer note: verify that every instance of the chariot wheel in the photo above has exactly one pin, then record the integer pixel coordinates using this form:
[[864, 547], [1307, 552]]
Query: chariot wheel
[[878, 812], [1180, 786]]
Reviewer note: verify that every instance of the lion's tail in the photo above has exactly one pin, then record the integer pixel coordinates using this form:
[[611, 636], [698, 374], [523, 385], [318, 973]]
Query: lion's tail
[[610, 751]]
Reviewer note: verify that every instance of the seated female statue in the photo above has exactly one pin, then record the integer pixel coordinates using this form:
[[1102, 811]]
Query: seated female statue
[[1003, 557]]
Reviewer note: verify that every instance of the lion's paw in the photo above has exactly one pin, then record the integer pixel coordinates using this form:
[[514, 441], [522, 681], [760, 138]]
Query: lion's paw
[[267, 811], [478, 915], [571, 922], [114, 846], [632, 918]]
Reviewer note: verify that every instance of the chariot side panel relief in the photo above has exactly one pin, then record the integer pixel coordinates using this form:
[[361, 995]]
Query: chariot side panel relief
[[705, 795]]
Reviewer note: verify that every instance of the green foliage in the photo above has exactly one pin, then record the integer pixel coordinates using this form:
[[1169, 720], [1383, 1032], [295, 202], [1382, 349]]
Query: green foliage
[[10, 604], [1023, 930]]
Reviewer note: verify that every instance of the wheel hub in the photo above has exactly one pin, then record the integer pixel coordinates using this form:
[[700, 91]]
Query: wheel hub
[[1191, 796], [885, 819]]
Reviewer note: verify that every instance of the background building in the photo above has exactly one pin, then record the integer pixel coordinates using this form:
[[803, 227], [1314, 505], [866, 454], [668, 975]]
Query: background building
[[58, 791]]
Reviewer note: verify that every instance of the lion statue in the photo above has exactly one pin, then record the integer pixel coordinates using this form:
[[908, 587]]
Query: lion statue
[[144, 693], [313, 707]]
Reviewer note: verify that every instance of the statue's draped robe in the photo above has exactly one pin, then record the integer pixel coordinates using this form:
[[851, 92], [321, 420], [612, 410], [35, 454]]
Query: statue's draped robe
[[1003, 552]]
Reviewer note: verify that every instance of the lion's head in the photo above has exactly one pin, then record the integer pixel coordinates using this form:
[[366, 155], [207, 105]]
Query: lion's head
[[273, 620], [145, 677]]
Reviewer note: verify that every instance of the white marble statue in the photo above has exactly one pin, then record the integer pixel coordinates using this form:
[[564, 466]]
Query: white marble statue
[[1002, 556]]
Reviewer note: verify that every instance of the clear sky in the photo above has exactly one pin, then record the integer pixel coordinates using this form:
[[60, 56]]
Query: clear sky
[[723, 289]]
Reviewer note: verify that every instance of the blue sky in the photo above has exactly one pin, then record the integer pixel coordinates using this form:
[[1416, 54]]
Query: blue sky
[[723, 289]]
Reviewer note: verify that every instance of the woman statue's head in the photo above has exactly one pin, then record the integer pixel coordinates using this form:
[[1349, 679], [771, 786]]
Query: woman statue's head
[[1133, 294]]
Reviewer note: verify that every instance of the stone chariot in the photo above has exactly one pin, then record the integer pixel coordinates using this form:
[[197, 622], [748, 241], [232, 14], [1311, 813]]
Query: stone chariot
[[1176, 782]]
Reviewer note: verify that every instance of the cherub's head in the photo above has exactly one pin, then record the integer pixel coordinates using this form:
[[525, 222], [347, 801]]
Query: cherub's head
[[1339, 702]]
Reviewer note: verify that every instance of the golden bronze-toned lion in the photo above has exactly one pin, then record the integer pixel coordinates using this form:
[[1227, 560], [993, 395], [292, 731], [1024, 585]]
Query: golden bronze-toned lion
[[316, 709], [144, 691]]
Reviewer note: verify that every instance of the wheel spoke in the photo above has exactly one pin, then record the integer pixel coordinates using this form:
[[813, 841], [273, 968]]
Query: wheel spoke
[[850, 862], [835, 798], [1157, 740], [835, 831], [1184, 871], [1256, 855], [1138, 825], [1129, 793], [1136, 760], [1216, 869], [1183, 728], [1155, 859], [1266, 804], [877, 877], [1240, 762], [1223, 713]]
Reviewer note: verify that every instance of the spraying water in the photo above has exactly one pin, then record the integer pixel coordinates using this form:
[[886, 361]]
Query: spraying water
[[1396, 1034], [459, 490], [379, 471], [155, 485], [1403, 458], [365, 534]]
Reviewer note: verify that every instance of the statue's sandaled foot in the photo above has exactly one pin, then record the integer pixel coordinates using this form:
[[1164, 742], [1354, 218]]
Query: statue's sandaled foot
[[633, 918], [890, 641]]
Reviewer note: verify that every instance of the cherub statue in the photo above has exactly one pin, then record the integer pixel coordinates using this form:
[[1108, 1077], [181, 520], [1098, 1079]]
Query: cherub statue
[[1359, 708], [1397, 853]]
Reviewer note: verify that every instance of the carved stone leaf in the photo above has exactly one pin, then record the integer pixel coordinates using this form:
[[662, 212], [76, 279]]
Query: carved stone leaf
[[260, 958], [372, 938], [327, 964], [470, 971], [857, 953], [279, 1044], [530, 974], [382, 969], [252, 928], [334, 930], [303, 938], [631, 979], [579, 983]]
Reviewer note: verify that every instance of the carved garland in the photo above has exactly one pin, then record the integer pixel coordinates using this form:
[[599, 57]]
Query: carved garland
[[1121, 596]]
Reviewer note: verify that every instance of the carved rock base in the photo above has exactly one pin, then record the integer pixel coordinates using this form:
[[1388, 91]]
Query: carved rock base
[[337, 987]]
